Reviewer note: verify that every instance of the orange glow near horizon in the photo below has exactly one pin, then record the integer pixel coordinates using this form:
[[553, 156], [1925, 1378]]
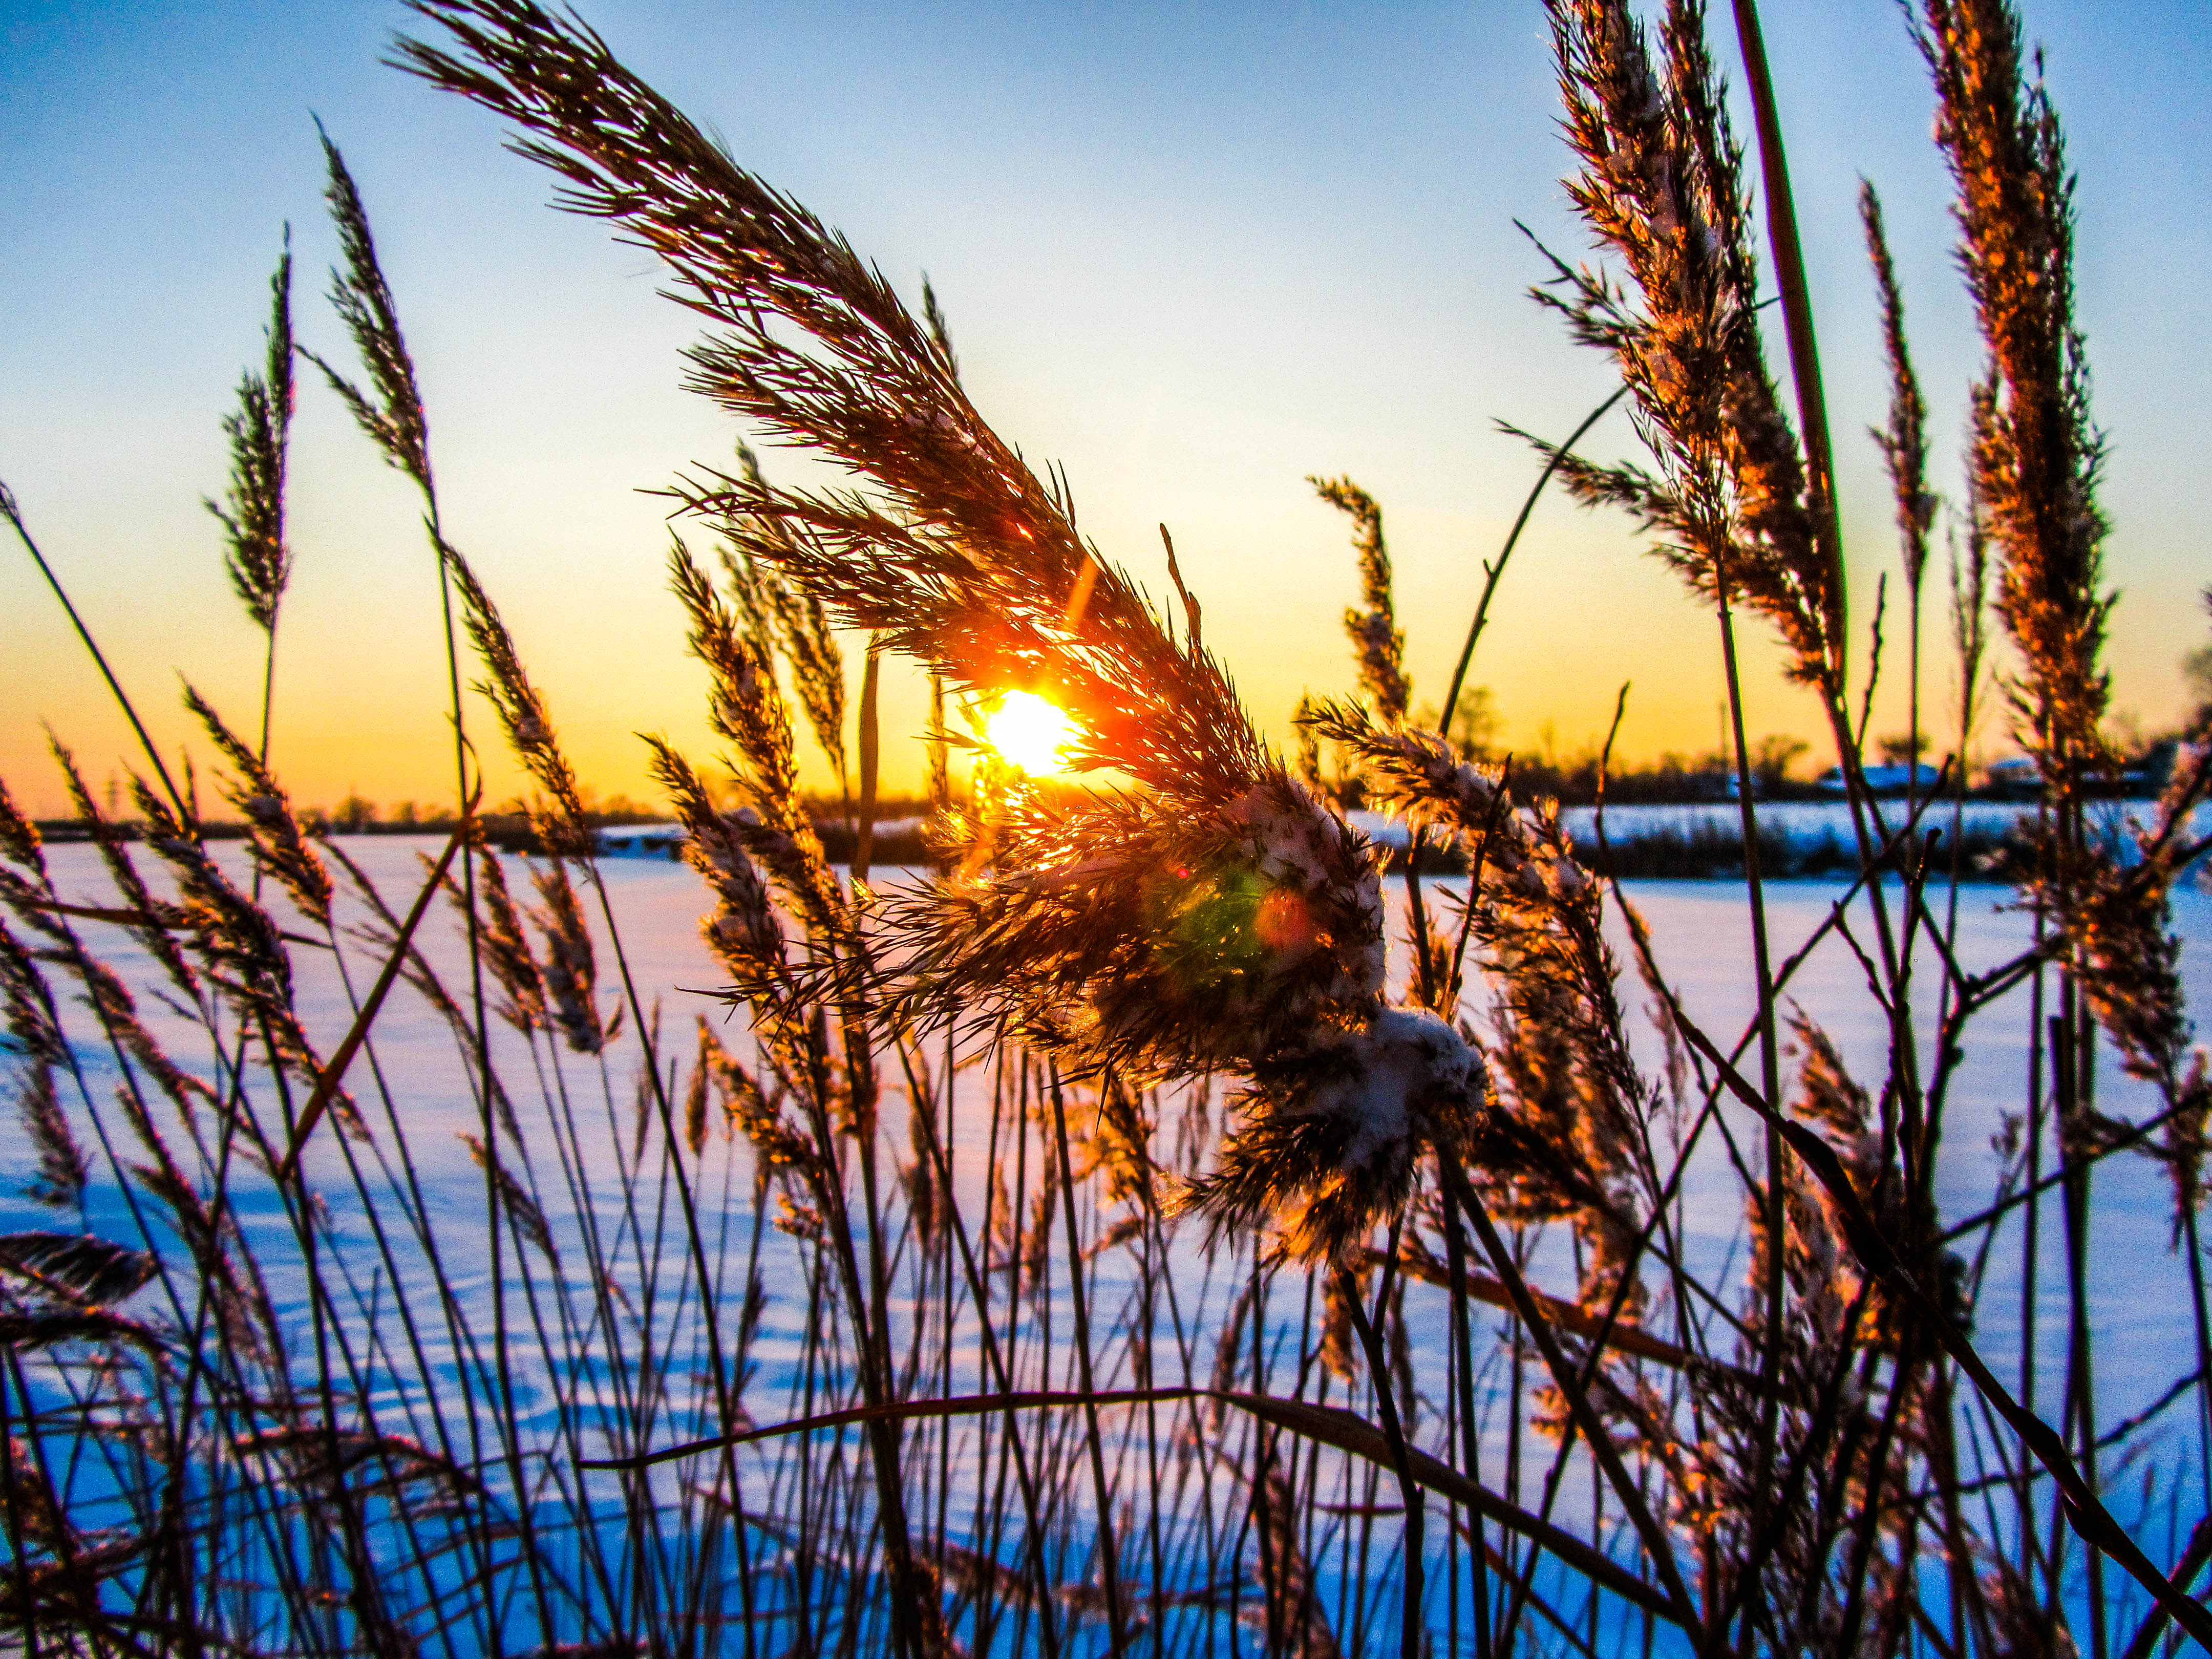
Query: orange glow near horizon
[[1033, 733]]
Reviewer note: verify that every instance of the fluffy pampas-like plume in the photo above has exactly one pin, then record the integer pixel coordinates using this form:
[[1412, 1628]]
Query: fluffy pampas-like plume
[[1212, 913]]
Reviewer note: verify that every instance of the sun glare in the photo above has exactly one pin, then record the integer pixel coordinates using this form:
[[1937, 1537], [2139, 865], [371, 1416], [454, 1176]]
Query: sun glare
[[1032, 733]]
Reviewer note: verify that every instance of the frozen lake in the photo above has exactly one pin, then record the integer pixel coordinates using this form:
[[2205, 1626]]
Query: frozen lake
[[1702, 936], [2140, 1301]]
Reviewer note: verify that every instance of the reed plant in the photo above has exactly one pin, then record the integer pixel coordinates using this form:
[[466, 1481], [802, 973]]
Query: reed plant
[[1103, 1240]]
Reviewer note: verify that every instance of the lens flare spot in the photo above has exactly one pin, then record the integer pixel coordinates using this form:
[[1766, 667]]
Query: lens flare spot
[[1032, 733]]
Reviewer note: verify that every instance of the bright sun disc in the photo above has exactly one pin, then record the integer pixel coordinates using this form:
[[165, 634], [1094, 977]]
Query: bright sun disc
[[1031, 734]]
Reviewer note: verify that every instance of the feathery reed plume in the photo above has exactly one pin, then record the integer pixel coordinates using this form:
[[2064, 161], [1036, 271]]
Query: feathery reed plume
[[1661, 187], [33, 1027], [925, 1199], [76, 1268], [1567, 1145], [1376, 638], [235, 937], [802, 627], [1903, 441], [154, 935], [570, 971], [2126, 959], [1115, 1140], [2130, 963], [1340, 1349], [742, 929], [105, 993], [564, 828], [940, 331], [34, 1033], [1228, 917], [749, 710], [1830, 1097], [1161, 943], [749, 581], [34, 1513], [63, 1170], [784, 1148], [975, 572], [19, 838], [279, 847], [520, 1207], [1332, 1131], [393, 418], [696, 1096], [2036, 454], [506, 952], [1417, 775], [241, 948], [259, 558], [27, 887]]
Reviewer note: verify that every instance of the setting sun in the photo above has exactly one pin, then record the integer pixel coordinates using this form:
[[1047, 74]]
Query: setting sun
[[1032, 733]]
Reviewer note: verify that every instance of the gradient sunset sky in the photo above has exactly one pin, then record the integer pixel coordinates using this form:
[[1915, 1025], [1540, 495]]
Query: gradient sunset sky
[[1192, 252]]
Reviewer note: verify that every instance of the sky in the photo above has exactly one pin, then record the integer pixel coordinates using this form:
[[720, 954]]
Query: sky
[[1191, 252]]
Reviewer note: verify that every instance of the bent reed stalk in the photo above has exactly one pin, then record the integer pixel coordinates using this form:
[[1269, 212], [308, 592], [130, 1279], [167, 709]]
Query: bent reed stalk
[[1205, 1296]]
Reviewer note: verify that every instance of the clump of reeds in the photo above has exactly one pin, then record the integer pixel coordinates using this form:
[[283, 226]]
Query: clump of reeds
[[1065, 1357]]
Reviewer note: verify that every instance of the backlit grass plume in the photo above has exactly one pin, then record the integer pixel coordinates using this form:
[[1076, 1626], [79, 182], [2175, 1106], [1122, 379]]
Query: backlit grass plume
[[1215, 913], [741, 930], [391, 413], [1376, 639], [1903, 440], [1661, 188], [280, 847], [506, 947], [747, 708], [560, 820], [259, 558], [2036, 453], [241, 949], [801, 627], [972, 562]]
